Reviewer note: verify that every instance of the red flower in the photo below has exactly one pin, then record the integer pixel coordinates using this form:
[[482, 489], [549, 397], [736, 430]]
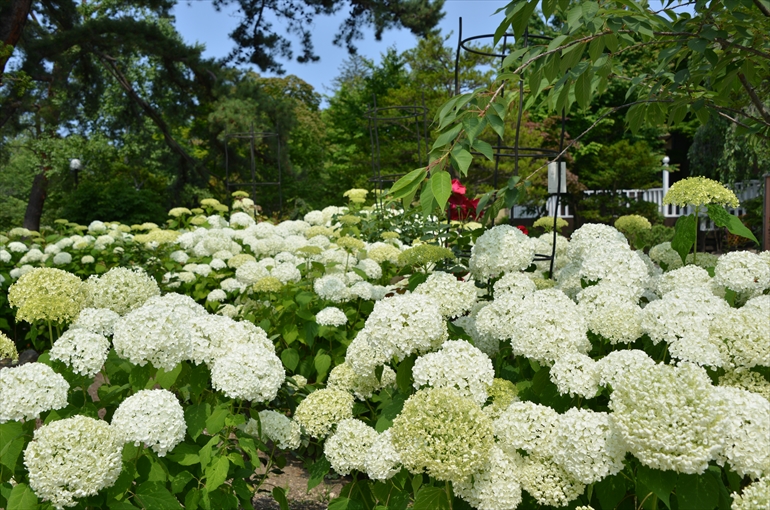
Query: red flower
[[457, 187], [523, 229]]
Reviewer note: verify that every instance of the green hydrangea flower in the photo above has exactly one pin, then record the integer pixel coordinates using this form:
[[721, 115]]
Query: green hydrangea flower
[[46, 293], [699, 191]]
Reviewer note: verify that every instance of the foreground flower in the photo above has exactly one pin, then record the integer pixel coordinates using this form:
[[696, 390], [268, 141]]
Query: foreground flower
[[442, 433], [83, 351], [48, 294], [276, 427], [322, 410], [30, 389], [73, 458], [457, 364], [346, 449], [248, 372], [121, 289], [496, 486], [699, 191], [499, 250], [151, 417]]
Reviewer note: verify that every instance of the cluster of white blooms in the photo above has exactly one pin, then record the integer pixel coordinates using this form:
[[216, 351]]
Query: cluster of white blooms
[[382, 461], [331, 316], [249, 372], [363, 356], [742, 271], [459, 365], [73, 458], [213, 336], [670, 417], [518, 284], [746, 380], [746, 432], [588, 448], [741, 336], [85, 352], [527, 426], [577, 374], [96, 320], [496, 486], [250, 273], [322, 410], [613, 262], [755, 496], [501, 249], [332, 288], [586, 238], [151, 417], [544, 246], [454, 297], [611, 311], [121, 289], [158, 331], [30, 389], [347, 448], [404, 324], [615, 367], [276, 427], [548, 482], [683, 278], [362, 386]]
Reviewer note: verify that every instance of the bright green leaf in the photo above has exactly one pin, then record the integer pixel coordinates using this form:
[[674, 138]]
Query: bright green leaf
[[661, 483], [684, 235], [216, 472], [735, 226], [431, 498], [290, 359], [155, 495], [441, 185], [22, 498], [279, 495], [195, 416], [317, 472]]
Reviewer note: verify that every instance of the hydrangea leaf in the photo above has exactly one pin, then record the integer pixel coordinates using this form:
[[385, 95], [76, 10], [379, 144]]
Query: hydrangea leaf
[[431, 498], [290, 358], [279, 495], [22, 498], [155, 495], [661, 483], [216, 472], [195, 416], [317, 472], [697, 492], [11, 443], [684, 235], [611, 491], [735, 226]]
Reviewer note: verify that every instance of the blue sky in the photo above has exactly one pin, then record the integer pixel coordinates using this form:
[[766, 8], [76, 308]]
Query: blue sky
[[198, 21]]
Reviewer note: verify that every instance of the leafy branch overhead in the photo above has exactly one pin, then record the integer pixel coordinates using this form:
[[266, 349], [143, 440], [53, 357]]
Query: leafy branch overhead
[[713, 59]]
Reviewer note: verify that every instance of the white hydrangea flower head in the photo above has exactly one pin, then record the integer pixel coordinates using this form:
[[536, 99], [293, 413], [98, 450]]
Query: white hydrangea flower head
[[748, 427], [154, 418], [158, 331], [742, 336], [382, 252], [331, 316], [442, 433], [96, 320], [405, 324], [248, 372], [495, 319], [458, 365], [121, 289], [682, 318], [5, 256], [501, 249], [576, 374], [363, 356], [231, 285], [527, 426], [585, 239], [382, 461], [548, 325], [315, 218], [320, 411], [664, 255], [85, 352], [518, 284], [347, 448], [746, 380], [286, 272], [361, 386], [73, 458], [214, 335], [548, 482], [568, 279], [454, 297], [216, 296], [62, 258], [488, 344], [241, 219], [371, 268], [30, 389], [496, 486], [332, 288], [670, 417], [742, 271], [611, 311], [544, 246], [179, 256], [276, 427], [250, 273], [683, 277], [588, 448], [17, 247], [755, 496], [616, 366], [33, 256], [616, 263]]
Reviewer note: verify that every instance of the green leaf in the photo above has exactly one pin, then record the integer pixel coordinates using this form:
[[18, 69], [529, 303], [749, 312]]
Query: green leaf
[[342, 503], [185, 454], [735, 226], [548, 6], [317, 472], [279, 495], [404, 375], [661, 483], [697, 492], [463, 158], [404, 185], [195, 416], [610, 491], [496, 123], [684, 235], [167, 379], [322, 362], [441, 185], [139, 377], [583, 89], [521, 18], [154, 495], [447, 136], [11, 444], [290, 358], [427, 200], [431, 498], [22, 498], [180, 481], [484, 148], [216, 421], [216, 472]]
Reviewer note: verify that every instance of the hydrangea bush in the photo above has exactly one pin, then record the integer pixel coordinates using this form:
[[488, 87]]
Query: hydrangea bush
[[179, 366]]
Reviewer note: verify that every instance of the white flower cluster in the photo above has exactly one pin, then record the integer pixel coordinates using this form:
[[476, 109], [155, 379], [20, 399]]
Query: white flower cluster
[[755, 496], [577, 374], [248, 372], [322, 410], [276, 427], [454, 297], [611, 311], [382, 461], [496, 486], [501, 249], [331, 316], [30, 389], [96, 320], [85, 352], [121, 289], [151, 417], [347, 448], [457, 364], [742, 271], [362, 386], [73, 458]]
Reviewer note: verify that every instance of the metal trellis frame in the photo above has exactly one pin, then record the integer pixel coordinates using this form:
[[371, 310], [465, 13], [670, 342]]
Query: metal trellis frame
[[252, 136]]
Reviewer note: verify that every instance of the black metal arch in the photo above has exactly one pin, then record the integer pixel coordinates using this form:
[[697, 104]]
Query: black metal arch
[[252, 136]]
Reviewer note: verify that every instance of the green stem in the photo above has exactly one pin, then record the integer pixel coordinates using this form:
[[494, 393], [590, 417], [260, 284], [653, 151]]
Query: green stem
[[50, 332], [695, 245], [448, 494]]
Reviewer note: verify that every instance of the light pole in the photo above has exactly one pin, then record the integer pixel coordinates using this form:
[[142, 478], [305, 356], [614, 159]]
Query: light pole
[[666, 161], [75, 166]]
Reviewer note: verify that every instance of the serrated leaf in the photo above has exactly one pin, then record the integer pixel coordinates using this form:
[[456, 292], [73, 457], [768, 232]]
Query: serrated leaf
[[403, 186], [485, 149], [548, 6], [11, 444], [322, 362], [573, 16], [22, 498], [521, 18], [427, 200], [167, 379], [464, 160], [290, 359], [195, 416], [496, 123], [583, 89], [441, 184], [735, 226], [447, 136], [431, 498], [317, 472], [155, 495], [661, 483], [216, 472], [216, 420], [684, 235]]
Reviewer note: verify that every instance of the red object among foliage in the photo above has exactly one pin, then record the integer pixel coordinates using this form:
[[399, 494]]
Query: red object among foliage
[[461, 207], [523, 229]]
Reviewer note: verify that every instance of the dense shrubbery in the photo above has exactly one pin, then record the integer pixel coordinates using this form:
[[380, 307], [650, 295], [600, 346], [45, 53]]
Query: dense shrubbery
[[176, 362]]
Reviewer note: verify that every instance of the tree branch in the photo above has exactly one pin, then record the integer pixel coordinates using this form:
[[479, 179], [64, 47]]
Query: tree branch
[[762, 8], [755, 100]]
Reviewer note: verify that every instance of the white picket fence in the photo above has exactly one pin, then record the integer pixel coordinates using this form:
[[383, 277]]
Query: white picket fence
[[745, 190]]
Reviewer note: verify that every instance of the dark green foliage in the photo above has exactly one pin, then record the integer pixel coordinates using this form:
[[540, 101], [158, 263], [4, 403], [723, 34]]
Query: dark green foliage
[[118, 200]]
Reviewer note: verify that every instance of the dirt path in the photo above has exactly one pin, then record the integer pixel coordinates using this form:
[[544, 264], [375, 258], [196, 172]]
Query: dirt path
[[294, 480]]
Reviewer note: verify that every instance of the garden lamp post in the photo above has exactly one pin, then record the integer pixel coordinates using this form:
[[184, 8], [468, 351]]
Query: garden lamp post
[[666, 161], [75, 166]]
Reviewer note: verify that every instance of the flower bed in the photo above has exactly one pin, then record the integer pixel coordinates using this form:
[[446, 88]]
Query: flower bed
[[175, 362]]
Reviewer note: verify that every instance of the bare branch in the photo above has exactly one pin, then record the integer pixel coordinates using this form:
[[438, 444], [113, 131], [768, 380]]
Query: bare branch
[[755, 100]]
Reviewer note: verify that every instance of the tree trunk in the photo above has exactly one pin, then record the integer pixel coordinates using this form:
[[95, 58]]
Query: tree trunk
[[36, 201], [13, 16]]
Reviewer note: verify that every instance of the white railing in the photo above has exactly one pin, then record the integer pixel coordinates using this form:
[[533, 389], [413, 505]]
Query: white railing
[[745, 190]]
